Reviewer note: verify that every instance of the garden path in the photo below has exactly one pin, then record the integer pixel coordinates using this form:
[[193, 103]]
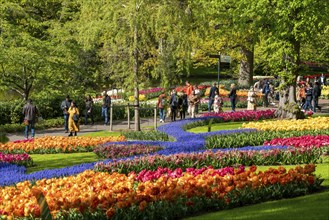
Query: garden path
[[146, 123]]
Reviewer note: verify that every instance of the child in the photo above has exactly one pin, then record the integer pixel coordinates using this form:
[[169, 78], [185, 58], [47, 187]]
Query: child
[[218, 102]]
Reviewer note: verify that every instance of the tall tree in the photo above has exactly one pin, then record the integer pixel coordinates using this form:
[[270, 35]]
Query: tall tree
[[291, 26], [237, 24], [133, 41], [23, 55], [32, 58]]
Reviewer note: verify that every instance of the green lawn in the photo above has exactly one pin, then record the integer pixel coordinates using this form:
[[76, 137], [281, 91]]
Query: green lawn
[[217, 127], [103, 134], [52, 161]]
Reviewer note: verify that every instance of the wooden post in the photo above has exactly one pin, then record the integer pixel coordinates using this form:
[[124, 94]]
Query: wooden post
[[155, 118], [128, 115], [111, 117]]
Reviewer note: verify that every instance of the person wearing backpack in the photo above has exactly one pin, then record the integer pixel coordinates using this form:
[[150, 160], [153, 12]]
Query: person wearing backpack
[[173, 105], [65, 105], [30, 113], [162, 105], [309, 97], [316, 95], [183, 106], [266, 92], [194, 102]]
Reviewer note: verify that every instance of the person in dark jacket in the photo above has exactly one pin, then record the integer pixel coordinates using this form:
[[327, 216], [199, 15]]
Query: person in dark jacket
[[182, 105], [316, 95], [30, 113], [266, 91], [89, 110], [212, 94], [173, 105], [65, 107], [322, 80], [105, 108], [233, 96]]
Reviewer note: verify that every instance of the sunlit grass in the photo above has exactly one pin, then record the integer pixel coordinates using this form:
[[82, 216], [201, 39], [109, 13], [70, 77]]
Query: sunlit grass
[[52, 161], [102, 134], [217, 127]]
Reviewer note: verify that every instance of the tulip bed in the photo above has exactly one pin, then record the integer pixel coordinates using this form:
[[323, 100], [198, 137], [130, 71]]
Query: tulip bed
[[178, 180], [119, 150], [49, 144], [302, 141], [218, 159], [238, 140], [19, 159], [319, 123], [99, 195]]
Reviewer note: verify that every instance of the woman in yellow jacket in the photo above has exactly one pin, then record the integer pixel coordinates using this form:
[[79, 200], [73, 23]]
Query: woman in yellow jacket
[[73, 119]]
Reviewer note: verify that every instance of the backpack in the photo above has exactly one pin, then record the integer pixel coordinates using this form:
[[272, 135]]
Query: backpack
[[266, 89], [319, 91], [163, 102], [185, 102], [309, 92], [174, 101]]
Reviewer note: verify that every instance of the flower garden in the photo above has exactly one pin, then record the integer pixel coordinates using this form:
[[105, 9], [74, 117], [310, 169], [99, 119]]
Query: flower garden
[[144, 179]]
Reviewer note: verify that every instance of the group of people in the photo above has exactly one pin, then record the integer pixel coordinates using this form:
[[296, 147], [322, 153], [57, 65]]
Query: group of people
[[188, 102], [71, 114], [216, 100], [179, 103], [307, 95]]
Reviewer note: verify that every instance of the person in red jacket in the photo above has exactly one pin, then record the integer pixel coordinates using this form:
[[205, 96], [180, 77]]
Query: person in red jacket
[[189, 90]]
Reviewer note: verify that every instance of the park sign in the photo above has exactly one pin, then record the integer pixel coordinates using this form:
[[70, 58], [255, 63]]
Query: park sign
[[225, 61]]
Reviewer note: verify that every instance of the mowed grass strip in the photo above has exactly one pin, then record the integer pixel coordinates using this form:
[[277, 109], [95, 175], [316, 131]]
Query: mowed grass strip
[[53, 161], [217, 127]]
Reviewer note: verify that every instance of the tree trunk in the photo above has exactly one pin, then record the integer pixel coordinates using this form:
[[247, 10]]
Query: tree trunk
[[246, 68], [288, 108], [136, 86]]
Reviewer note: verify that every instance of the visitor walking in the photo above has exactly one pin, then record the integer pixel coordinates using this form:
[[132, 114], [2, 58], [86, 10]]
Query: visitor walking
[[194, 102], [211, 96], [218, 102], [183, 105], [162, 105], [252, 102], [309, 97], [233, 96], [316, 95], [65, 106], [30, 113], [189, 89], [197, 92], [266, 92], [105, 108], [323, 80], [89, 110], [73, 119], [173, 105]]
